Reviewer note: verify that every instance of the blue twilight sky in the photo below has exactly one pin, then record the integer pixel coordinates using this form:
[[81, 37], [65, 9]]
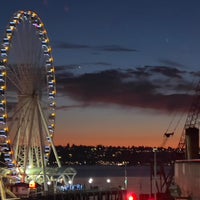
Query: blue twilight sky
[[125, 69]]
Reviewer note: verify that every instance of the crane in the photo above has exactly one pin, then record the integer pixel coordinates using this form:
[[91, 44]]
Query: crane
[[166, 136], [192, 120], [169, 133]]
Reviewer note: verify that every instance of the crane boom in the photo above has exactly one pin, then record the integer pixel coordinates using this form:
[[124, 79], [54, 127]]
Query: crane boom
[[192, 117]]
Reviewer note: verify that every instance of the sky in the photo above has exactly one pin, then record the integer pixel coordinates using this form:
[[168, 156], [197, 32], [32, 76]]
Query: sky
[[125, 69]]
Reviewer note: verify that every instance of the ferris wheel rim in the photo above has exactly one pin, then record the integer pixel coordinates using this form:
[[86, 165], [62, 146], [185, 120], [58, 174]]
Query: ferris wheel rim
[[41, 32]]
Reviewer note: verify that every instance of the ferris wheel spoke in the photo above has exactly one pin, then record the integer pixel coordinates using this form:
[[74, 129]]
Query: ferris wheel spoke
[[17, 111], [25, 133], [24, 82], [29, 144], [16, 77], [20, 138], [16, 85]]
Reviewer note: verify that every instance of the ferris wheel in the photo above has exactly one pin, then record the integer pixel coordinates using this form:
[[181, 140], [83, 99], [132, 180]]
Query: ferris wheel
[[27, 94]]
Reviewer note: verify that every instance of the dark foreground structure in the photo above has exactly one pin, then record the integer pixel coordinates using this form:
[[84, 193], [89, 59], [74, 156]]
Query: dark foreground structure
[[112, 194]]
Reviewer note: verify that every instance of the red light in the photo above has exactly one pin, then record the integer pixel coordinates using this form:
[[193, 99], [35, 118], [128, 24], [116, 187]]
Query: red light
[[131, 196]]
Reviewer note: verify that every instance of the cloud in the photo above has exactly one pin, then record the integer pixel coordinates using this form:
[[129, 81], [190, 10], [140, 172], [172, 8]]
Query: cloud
[[150, 71], [171, 63], [129, 88], [66, 107], [168, 71], [62, 68], [115, 48], [109, 48], [96, 63], [100, 63]]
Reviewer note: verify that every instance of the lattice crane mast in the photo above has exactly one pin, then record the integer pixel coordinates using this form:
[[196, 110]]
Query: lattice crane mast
[[192, 120]]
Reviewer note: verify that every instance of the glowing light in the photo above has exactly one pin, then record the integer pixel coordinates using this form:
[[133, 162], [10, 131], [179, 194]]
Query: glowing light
[[3, 101], [49, 183], [131, 196], [12, 28], [32, 185], [3, 87], [53, 114], [33, 15], [90, 180], [108, 180], [50, 59], [8, 141], [5, 60], [3, 73], [52, 69]]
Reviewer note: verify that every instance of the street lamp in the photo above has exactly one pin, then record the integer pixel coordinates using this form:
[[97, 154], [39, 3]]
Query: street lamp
[[108, 181], [125, 176], [90, 181], [155, 172]]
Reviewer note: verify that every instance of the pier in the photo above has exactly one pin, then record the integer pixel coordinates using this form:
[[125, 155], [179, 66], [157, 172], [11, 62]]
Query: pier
[[111, 194]]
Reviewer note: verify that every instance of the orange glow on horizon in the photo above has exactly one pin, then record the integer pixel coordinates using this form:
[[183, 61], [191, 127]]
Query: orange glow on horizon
[[126, 142], [114, 126]]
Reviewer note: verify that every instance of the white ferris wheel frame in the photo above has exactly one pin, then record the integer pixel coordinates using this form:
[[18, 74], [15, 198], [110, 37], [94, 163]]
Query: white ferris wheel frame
[[49, 124]]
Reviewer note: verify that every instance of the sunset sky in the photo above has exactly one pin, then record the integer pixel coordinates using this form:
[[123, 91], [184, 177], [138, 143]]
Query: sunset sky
[[125, 69]]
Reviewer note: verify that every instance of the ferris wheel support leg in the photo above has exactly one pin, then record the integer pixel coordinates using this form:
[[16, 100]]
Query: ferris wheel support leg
[[42, 155], [51, 141], [2, 190], [47, 131]]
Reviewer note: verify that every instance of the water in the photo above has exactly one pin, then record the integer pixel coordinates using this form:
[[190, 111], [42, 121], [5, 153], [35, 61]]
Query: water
[[138, 177]]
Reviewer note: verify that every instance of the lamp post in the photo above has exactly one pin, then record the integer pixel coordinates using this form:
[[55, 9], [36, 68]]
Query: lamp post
[[90, 181], [125, 177], [155, 172], [108, 181]]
